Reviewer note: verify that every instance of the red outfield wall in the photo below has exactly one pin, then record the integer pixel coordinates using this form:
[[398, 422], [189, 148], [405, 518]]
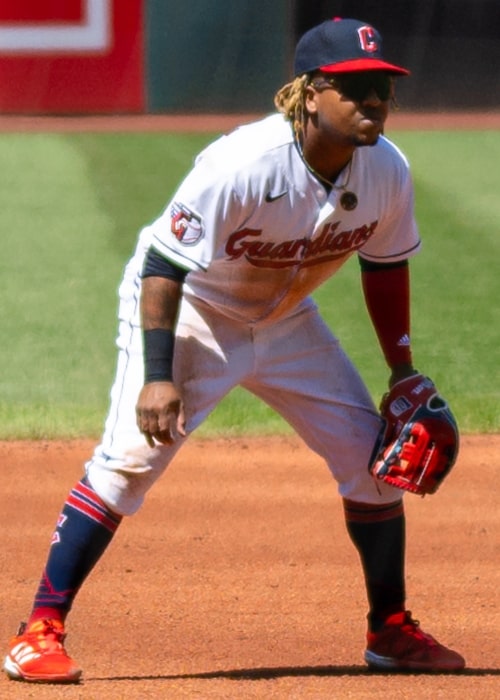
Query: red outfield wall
[[72, 56]]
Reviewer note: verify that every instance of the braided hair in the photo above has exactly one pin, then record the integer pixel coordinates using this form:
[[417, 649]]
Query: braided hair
[[290, 101]]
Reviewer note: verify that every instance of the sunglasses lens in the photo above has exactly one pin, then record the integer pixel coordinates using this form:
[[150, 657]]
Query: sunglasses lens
[[358, 87]]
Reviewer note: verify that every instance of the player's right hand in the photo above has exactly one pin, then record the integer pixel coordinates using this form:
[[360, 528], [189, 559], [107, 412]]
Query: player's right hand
[[160, 413]]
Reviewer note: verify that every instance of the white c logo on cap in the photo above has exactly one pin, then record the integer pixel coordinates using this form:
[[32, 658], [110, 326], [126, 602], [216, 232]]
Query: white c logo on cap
[[367, 39]]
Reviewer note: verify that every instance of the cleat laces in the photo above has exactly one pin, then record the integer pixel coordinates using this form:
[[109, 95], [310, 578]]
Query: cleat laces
[[412, 627], [44, 636]]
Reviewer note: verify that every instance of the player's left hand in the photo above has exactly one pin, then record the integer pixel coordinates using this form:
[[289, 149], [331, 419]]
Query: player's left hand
[[160, 413]]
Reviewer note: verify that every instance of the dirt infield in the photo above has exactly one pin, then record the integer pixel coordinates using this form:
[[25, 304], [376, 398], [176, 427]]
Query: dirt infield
[[224, 122], [237, 579]]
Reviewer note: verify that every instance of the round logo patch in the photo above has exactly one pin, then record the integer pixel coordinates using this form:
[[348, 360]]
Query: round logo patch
[[348, 201]]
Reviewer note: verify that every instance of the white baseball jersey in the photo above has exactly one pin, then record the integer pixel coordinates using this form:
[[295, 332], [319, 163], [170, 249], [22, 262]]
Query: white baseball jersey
[[259, 232]]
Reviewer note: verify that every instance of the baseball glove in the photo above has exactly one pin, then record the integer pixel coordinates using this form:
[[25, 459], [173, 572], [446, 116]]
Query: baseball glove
[[420, 443]]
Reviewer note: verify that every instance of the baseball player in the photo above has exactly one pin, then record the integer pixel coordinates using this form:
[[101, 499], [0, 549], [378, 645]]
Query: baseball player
[[217, 294]]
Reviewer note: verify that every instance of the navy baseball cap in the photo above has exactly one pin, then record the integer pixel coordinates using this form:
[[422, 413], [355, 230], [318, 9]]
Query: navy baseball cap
[[342, 46]]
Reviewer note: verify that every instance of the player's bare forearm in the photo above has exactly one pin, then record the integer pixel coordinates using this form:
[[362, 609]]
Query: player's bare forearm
[[159, 409], [160, 299]]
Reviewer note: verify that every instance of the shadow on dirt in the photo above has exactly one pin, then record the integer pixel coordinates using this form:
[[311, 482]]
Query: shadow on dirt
[[261, 674]]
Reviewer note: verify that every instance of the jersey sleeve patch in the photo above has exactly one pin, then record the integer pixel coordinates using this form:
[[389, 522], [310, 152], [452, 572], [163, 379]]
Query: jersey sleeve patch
[[185, 224]]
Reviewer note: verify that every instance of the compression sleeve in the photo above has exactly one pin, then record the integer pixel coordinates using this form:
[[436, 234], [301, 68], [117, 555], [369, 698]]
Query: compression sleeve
[[387, 295]]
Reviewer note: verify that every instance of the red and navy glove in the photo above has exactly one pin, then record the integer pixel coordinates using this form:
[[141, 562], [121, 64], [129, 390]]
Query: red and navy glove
[[421, 439]]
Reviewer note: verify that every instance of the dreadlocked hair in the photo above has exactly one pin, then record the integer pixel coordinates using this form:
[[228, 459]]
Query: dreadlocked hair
[[290, 101]]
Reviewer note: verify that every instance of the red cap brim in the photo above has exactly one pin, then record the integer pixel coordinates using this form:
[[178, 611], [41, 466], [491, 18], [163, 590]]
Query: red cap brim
[[363, 64]]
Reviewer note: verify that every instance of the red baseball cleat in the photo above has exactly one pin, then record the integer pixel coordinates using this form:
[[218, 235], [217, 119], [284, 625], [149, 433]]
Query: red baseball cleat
[[401, 645], [37, 655]]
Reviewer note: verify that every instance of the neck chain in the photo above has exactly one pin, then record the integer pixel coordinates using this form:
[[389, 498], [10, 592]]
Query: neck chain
[[348, 199], [325, 180]]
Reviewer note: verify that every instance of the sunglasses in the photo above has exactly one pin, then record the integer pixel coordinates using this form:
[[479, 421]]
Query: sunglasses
[[357, 86]]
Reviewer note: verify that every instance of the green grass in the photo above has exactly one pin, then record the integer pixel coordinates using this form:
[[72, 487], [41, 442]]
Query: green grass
[[70, 209], [456, 277]]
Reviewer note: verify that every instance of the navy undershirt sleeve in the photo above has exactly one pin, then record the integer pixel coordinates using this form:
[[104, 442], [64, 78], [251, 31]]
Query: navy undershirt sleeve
[[155, 265]]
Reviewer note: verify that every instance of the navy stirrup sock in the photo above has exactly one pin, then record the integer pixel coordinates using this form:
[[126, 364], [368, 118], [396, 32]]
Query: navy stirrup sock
[[378, 533], [84, 529]]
